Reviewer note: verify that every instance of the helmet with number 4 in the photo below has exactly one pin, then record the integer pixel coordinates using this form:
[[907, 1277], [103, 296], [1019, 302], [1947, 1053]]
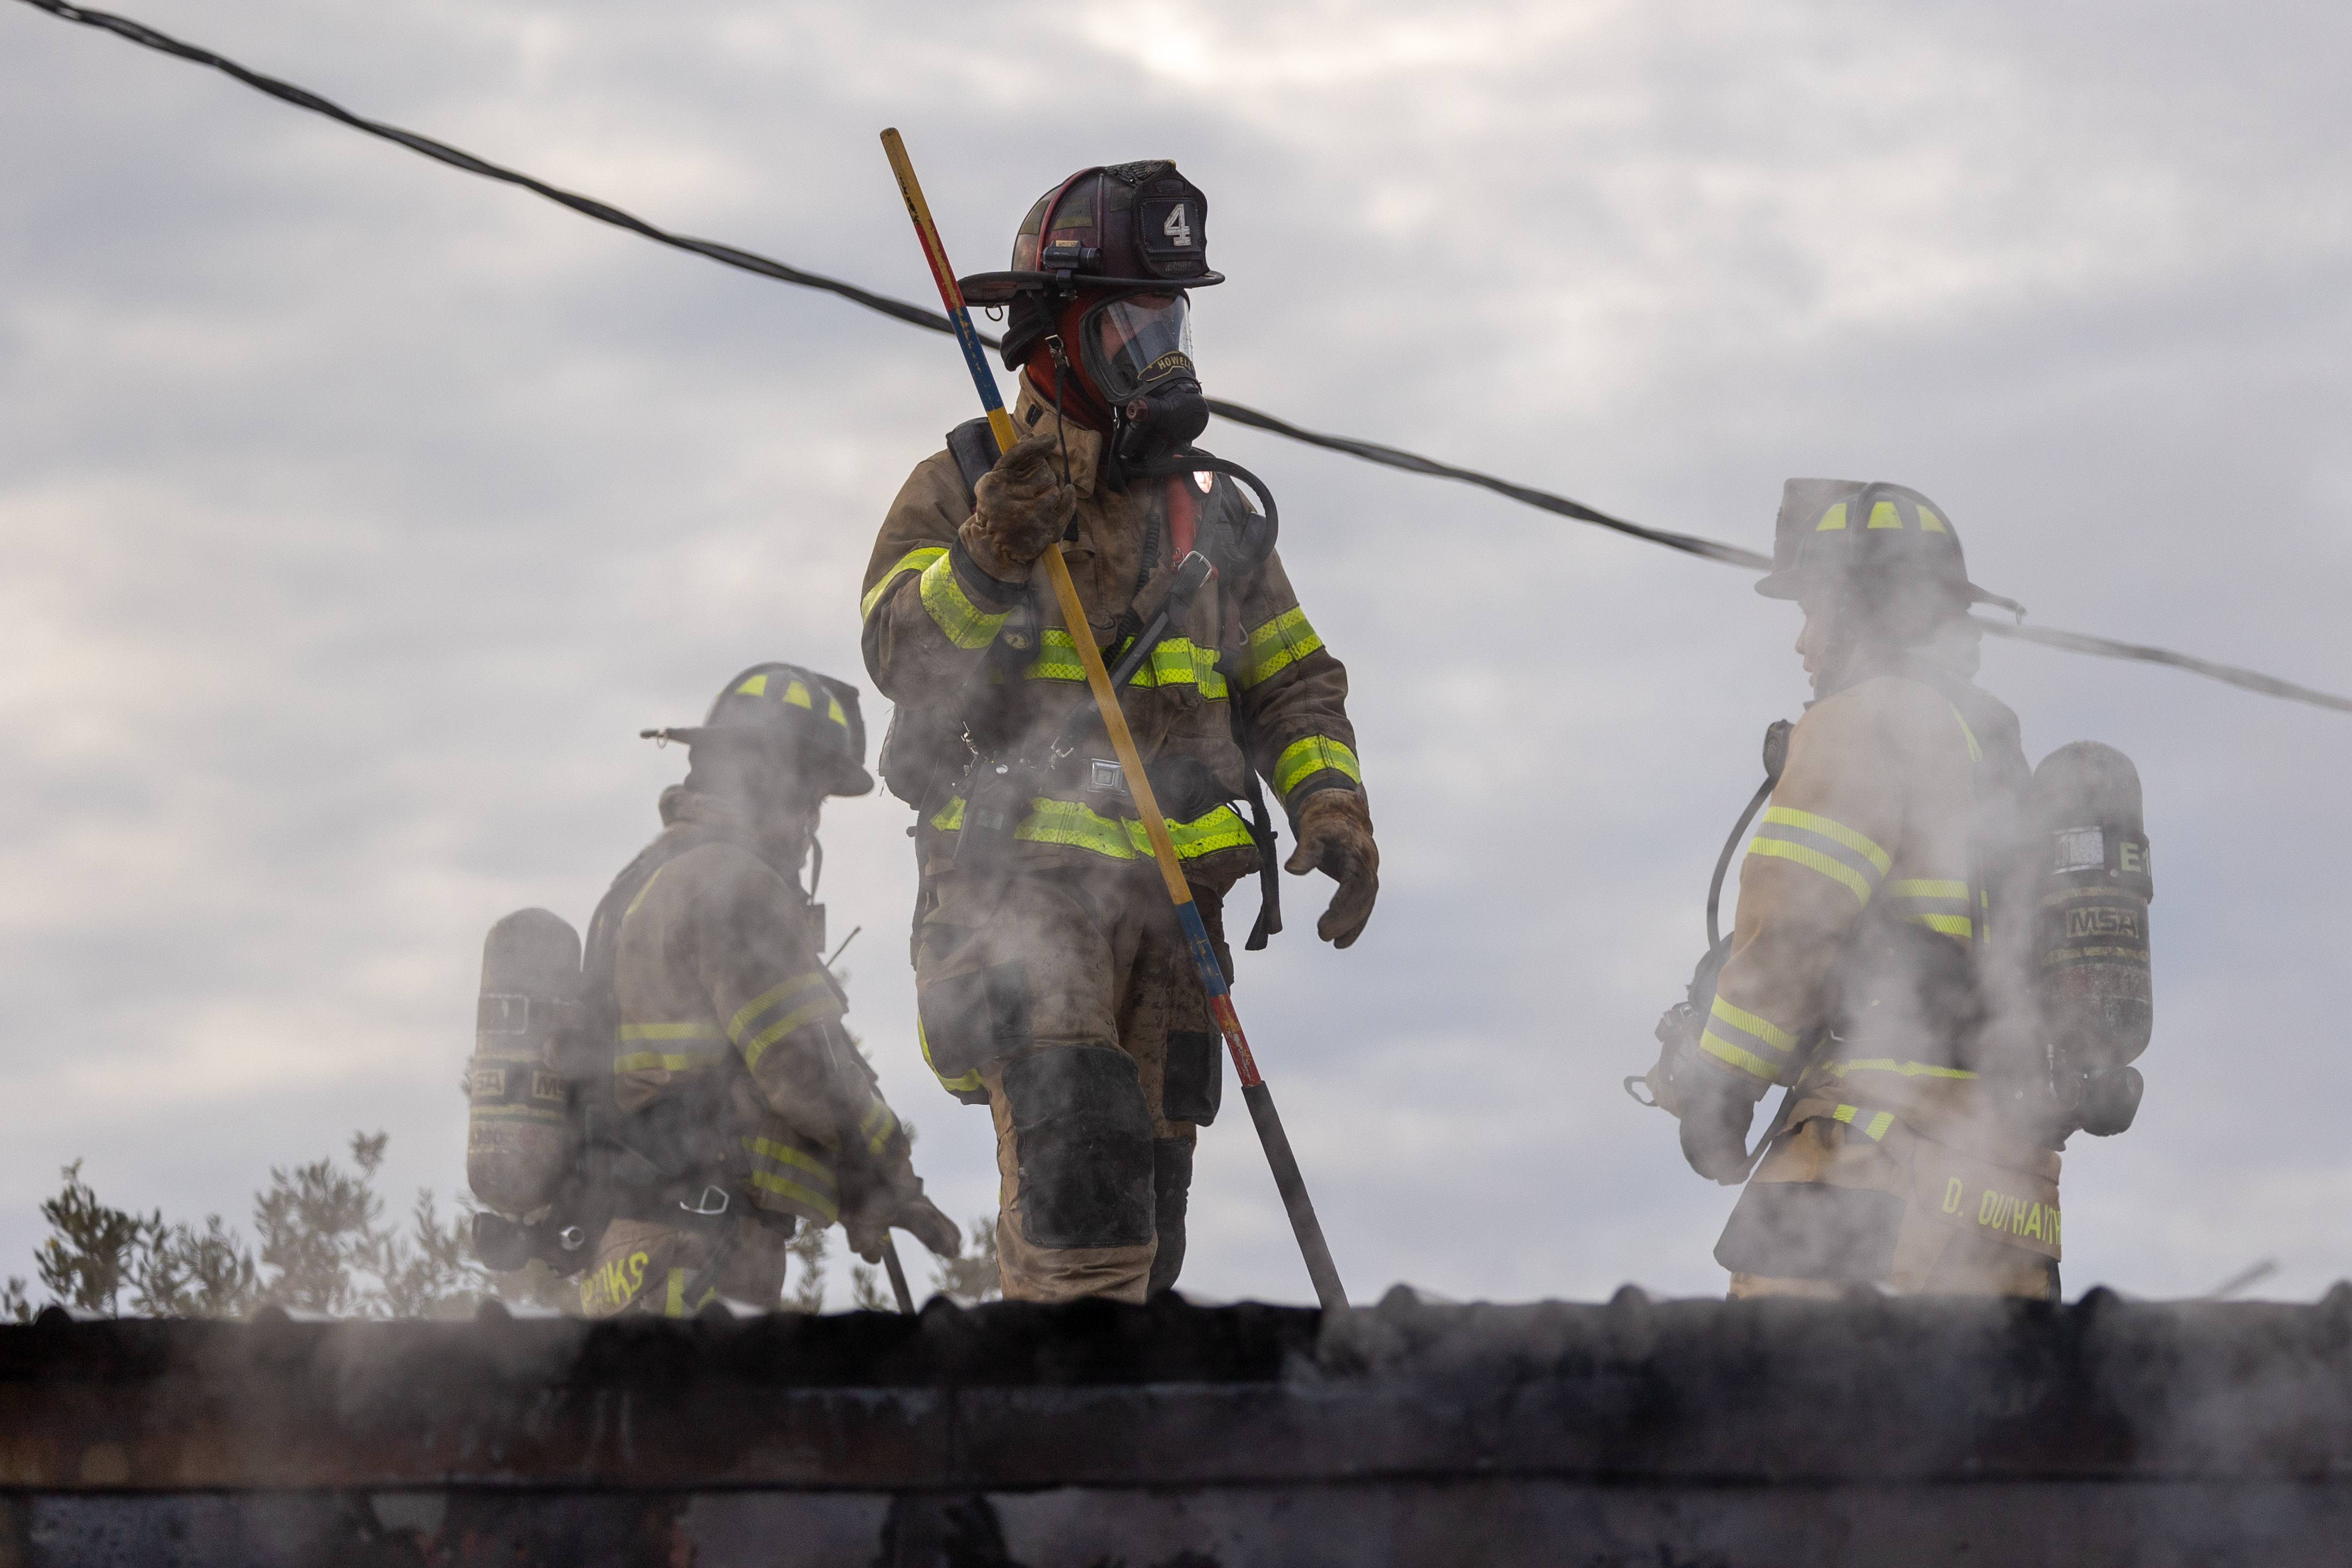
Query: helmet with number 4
[[1134, 238]]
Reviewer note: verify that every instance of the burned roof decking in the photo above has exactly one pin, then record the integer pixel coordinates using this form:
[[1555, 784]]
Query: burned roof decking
[[1708, 1431]]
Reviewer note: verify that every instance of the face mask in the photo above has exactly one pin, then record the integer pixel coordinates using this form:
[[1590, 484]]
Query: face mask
[[1138, 349]]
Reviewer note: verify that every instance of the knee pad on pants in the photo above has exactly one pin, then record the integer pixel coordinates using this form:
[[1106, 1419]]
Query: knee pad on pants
[[1172, 1185], [1083, 1137]]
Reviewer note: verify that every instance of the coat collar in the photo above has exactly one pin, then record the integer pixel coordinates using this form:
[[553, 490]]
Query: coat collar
[[1033, 414]]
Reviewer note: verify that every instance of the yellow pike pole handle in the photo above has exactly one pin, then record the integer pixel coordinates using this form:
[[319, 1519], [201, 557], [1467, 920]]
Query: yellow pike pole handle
[[1255, 1092]]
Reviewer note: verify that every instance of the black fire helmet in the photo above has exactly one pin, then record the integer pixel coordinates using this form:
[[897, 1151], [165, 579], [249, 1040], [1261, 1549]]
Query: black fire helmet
[[1121, 228]]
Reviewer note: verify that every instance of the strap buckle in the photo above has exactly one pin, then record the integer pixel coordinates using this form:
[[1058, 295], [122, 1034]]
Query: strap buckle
[[702, 1204]]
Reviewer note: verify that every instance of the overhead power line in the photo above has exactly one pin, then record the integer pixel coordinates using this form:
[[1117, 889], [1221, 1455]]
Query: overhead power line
[[920, 316]]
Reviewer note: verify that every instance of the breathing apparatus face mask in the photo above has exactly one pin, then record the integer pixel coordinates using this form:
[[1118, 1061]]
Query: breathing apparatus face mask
[[1138, 349]]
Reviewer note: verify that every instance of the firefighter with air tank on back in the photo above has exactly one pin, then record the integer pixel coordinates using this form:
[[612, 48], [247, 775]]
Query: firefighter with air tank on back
[[1939, 952]]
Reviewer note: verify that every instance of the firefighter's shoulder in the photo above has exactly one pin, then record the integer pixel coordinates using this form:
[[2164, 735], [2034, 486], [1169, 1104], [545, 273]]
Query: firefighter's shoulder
[[1908, 718]]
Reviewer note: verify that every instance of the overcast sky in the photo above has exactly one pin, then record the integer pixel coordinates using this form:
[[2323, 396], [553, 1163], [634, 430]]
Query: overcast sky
[[357, 514]]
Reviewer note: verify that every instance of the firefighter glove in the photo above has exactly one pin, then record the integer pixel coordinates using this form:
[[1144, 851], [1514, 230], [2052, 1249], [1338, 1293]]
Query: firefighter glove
[[1335, 837], [869, 1227], [1022, 508], [1716, 1112]]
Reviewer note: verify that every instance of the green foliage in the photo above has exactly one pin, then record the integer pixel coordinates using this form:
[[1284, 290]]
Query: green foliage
[[324, 1248], [973, 1278], [808, 1247], [868, 1293], [91, 1248], [183, 1272]]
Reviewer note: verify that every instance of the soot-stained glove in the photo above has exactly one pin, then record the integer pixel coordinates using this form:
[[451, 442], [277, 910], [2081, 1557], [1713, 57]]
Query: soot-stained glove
[[916, 1215], [1717, 1110], [1020, 507], [1335, 837], [880, 1191]]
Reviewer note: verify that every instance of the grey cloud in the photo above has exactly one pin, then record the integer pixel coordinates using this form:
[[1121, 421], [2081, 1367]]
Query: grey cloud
[[359, 514]]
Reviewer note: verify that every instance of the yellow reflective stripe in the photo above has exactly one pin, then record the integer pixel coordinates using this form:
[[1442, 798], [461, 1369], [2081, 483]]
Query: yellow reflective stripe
[[1822, 845], [1828, 828], [768, 999], [757, 1046], [1057, 658], [1181, 662], [1949, 925], [794, 1174], [1831, 520], [1874, 1129], [668, 1061], [1278, 644], [1888, 1064], [1764, 1030], [676, 1305], [876, 1127], [1311, 755], [1929, 522], [517, 1114], [1911, 888], [1813, 860], [913, 560], [645, 890], [785, 1154], [1747, 1061], [1976, 752], [1174, 662], [964, 1084], [961, 622], [784, 1187], [1052, 822], [1884, 515]]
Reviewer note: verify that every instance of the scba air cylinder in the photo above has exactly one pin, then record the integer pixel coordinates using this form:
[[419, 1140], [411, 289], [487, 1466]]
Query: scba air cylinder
[[520, 1138], [2097, 1000]]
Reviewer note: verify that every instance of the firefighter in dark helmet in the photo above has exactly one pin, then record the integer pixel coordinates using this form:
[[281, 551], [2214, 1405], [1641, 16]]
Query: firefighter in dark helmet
[[739, 1109], [1052, 981], [1880, 960]]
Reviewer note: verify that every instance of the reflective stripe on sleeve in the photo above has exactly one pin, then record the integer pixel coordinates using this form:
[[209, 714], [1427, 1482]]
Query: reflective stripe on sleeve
[[1755, 1045], [961, 622], [913, 560], [876, 1125], [1276, 645], [760, 1010], [1052, 822], [1821, 844], [1311, 755], [794, 1174]]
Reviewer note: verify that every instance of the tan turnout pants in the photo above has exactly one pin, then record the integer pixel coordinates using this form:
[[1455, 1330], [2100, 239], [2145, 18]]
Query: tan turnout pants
[[1851, 1195], [1070, 994]]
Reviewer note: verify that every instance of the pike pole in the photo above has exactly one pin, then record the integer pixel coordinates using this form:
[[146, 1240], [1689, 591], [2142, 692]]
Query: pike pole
[[1255, 1092]]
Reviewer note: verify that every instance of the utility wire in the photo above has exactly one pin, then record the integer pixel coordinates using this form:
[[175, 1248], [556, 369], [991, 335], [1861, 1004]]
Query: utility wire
[[920, 316]]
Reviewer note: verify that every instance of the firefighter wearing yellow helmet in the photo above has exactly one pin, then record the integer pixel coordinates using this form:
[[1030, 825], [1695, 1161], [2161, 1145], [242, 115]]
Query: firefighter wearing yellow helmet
[[1881, 961], [739, 1109]]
